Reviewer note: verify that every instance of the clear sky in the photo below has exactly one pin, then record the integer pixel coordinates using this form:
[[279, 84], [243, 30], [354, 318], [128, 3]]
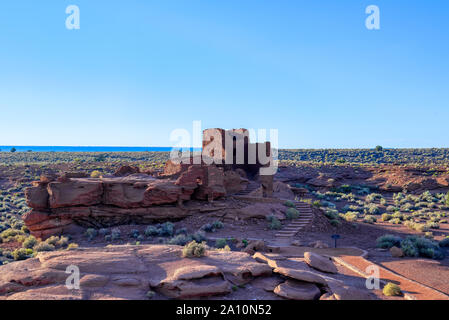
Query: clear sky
[[136, 70]]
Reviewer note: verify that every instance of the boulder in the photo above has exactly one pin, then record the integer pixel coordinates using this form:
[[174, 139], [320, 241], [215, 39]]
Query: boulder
[[37, 196], [161, 192], [320, 262], [125, 171], [301, 275], [340, 291], [255, 246], [396, 252], [297, 290]]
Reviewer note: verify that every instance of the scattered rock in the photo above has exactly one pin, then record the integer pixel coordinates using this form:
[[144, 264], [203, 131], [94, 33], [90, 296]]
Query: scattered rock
[[301, 275], [320, 262], [255, 246], [297, 243], [396, 252], [297, 290], [319, 244]]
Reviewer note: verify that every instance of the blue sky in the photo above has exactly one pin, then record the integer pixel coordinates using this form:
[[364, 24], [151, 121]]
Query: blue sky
[[136, 70]]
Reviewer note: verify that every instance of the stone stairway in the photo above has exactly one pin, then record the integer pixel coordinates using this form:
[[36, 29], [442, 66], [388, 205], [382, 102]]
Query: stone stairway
[[305, 217], [250, 188]]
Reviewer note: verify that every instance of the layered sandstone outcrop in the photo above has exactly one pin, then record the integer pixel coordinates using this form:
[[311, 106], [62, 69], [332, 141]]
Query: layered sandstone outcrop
[[65, 204]]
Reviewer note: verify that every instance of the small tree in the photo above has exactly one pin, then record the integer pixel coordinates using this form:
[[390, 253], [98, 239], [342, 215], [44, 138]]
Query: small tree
[[13, 149], [379, 148]]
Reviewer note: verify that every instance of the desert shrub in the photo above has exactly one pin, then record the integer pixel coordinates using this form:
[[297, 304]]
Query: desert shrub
[[331, 213], [53, 240], [166, 229], [212, 227], [225, 248], [391, 289], [275, 224], [386, 217], [9, 233], [134, 233], [199, 236], [335, 222], [291, 213], [328, 204], [316, 204], [116, 234], [388, 241], [194, 249], [29, 242], [150, 294], [218, 224], [72, 246], [432, 225], [220, 243], [181, 231], [395, 221], [180, 240], [44, 246], [91, 233], [369, 219], [372, 209], [22, 254], [290, 204], [151, 231], [372, 197], [63, 241], [420, 227], [409, 248], [444, 243], [392, 209], [350, 216], [419, 246], [95, 174]]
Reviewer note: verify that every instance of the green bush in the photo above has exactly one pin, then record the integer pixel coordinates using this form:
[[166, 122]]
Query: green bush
[[91, 233], [180, 240], [194, 249], [335, 222], [220, 243], [275, 224], [95, 174], [414, 246], [350, 216], [444, 243], [290, 204], [151, 231], [29, 242], [369, 219], [409, 248], [43, 246], [291, 213], [22, 254], [388, 241], [391, 289]]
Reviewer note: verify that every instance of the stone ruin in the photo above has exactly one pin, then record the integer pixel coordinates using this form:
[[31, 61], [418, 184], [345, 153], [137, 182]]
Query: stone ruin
[[73, 201]]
